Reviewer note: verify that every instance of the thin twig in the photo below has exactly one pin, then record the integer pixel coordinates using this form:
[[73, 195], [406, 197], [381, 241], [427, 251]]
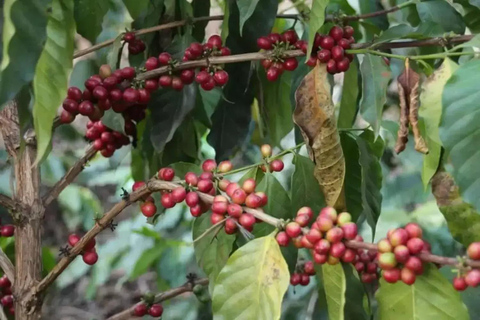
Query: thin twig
[[7, 266], [166, 295], [68, 178], [7, 202]]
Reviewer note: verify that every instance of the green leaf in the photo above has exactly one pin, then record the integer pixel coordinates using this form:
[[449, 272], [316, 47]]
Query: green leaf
[[474, 42], [354, 295], [375, 78], [255, 173], [114, 121], [305, 188], [206, 104], [370, 153], [441, 13], [348, 102], [368, 6], [181, 168], [246, 9], [146, 260], [277, 107], [257, 271], [463, 222], [431, 112], [115, 54], [136, 7], [335, 285], [48, 260], [168, 109], [460, 130], [201, 8], [317, 18], [430, 297], [353, 175], [89, 17], [52, 71], [211, 251], [24, 24], [405, 31]]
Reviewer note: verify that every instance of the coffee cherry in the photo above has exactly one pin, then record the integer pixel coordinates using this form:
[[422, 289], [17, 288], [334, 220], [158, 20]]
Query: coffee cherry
[[338, 249], [177, 83], [215, 41], [349, 230], [253, 201], [219, 207], [309, 268], [90, 257], [344, 218], [324, 223], [166, 174], [413, 230], [359, 266], [343, 65], [148, 209], [137, 185], [273, 73], [85, 108], [127, 73], [306, 211], [155, 310], [249, 185], [187, 76], [216, 218], [322, 246], [220, 77], [348, 31], [73, 239], [304, 243], [263, 196], [225, 51], [332, 66], [337, 53], [143, 96], [165, 81], [70, 105], [312, 61], [196, 49], [5, 282], [164, 58], [331, 260], [179, 194], [140, 310], [415, 245], [319, 258], [275, 38], [304, 279], [209, 165], [293, 229], [130, 95], [206, 176], [266, 63], [290, 64], [191, 179], [189, 55], [334, 235], [66, 117], [302, 220], [408, 276], [371, 267], [392, 275], [414, 264], [230, 226], [336, 33], [290, 36], [167, 201], [129, 37], [74, 93], [234, 210], [231, 188], [313, 236], [247, 220], [196, 210], [324, 55], [387, 261], [192, 199], [7, 301], [276, 165], [473, 278], [402, 254], [282, 239], [398, 237], [302, 45], [349, 256], [327, 42], [384, 246], [344, 43], [151, 63], [202, 77], [205, 185], [239, 196], [295, 279], [473, 250], [329, 212], [264, 43], [459, 283]]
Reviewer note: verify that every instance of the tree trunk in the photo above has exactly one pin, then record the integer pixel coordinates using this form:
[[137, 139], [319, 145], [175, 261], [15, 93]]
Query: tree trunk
[[28, 222]]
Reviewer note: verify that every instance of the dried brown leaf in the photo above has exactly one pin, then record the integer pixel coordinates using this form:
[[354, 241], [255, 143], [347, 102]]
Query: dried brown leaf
[[315, 116], [402, 134]]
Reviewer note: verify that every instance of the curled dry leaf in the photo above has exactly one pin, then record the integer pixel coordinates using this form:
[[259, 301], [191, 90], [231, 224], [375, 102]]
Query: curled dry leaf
[[315, 116], [408, 91]]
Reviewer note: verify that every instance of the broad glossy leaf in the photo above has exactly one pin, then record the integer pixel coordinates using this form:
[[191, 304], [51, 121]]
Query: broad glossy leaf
[[305, 188], [24, 22], [184, 145], [368, 6], [317, 18], [431, 297], [315, 115], [89, 17], [205, 105], [246, 9], [146, 260], [277, 109], [181, 168], [335, 285], [353, 175], [114, 55], [255, 173], [258, 272], [349, 100], [442, 13], [375, 78], [404, 31], [354, 295], [460, 130], [211, 251], [52, 71], [168, 109], [431, 112], [114, 121], [136, 7]]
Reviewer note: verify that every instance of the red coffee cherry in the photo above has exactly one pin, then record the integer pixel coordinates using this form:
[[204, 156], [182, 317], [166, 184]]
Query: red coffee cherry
[[295, 279], [234, 210], [337, 53], [324, 55], [209, 84], [230, 226], [177, 83], [150, 84], [327, 42], [225, 51], [348, 31], [129, 37], [221, 77], [140, 310], [148, 209], [74, 93], [312, 61], [392, 275], [5, 282], [290, 36], [273, 73], [192, 199], [282, 239], [90, 257], [196, 49], [343, 65], [155, 310], [127, 73], [304, 279], [215, 41], [276, 165], [336, 33], [290, 64], [187, 76], [86, 108], [275, 38], [7, 301], [209, 165], [167, 201], [73, 239], [151, 63], [164, 58], [332, 66], [264, 43], [293, 229], [247, 220], [179, 194]]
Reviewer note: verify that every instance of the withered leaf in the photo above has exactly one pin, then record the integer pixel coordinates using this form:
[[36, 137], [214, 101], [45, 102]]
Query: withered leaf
[[408, 91], [315, 116]]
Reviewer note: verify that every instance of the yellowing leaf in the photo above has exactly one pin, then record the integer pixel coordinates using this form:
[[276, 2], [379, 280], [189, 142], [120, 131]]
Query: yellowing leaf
[[252, 283], [315, 115]]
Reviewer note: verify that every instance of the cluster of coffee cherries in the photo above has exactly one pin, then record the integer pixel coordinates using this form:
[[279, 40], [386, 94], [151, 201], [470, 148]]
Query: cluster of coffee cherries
[[398, 254], [279, 43], [325, 237], [135, 45], [7, 230], [330, 49], [468, 277], [174, 79], [275, 165], [105, 139], [302, 274], [154, 310], [6, 294], [366, 264], [89, 254]]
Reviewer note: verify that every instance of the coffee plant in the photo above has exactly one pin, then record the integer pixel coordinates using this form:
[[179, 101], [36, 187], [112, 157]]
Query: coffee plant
[[260, 157]]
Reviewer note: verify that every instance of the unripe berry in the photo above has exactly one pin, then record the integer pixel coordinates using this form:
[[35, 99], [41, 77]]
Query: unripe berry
[[253, 201], [338, 249], [266, 150], [327, 42], [322, 246], [384, 246], [387, 261], [305, 243], [304, 279], [295, 279], [249, 185], [191, 179], [225, 166], [408, 276], [247, 220], [415, 245], [414, 264], [219, 207], [320, 258], [148, 209], [155, 310], [401, 253], [398, 237], [473, 278], [192, 199], [73, 239], [344, 218], [392, 275], [306, 211], [334, 235], [324, 223], [293, 230], [209, 165], [140, 310], [231, 188], [167, 200], [282, 239], [276, 165], [263, 196], [234, 210], [179, 194], [459, 283], [473, 250], [329, 212], [314, 236], [349, 230], [331, 260], [90, 257], [7, 230], [349, 256], [413, 230], [230, 226], [302, 220], [205, 185], [223, 184]]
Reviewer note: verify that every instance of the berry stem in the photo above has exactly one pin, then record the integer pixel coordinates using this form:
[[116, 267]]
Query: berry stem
[[160, 297]]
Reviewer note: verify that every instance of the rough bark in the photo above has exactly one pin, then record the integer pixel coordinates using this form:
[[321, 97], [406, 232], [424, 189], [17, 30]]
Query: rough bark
[[28, 249]]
